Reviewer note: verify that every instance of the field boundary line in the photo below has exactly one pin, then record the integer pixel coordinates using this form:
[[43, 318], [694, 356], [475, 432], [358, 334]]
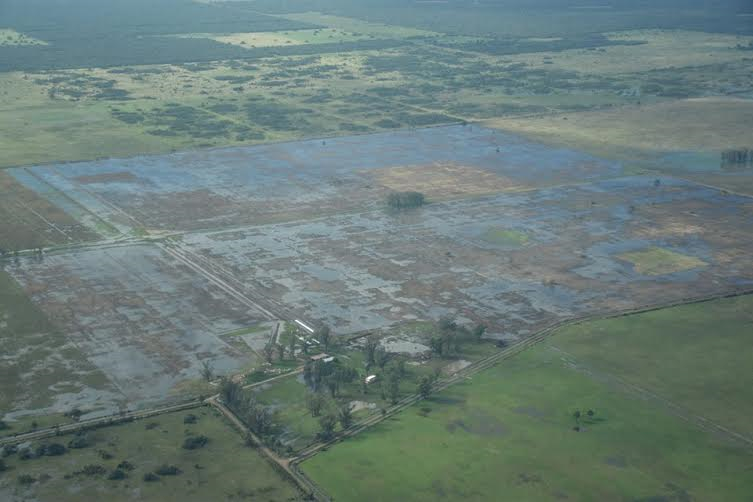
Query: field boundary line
[[93, 423]]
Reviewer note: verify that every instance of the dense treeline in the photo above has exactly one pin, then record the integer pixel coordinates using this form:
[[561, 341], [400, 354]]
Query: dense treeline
[[741, 156], [120, 50], [503, 47], [533, 18], [58, 20], [405, 200]]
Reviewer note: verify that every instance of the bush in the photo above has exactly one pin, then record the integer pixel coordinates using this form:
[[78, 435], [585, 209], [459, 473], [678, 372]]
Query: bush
[[3, 466], [3, 425], [150, 476], [117, 474], [195, 442], [167, 470], [25, 479], [93, 470], [80, 440], [125, 465], [190, 419], [51, 450]]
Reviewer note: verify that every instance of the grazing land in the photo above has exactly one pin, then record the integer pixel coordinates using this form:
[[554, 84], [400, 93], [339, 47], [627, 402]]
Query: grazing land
[[511, 428], [222, 469]]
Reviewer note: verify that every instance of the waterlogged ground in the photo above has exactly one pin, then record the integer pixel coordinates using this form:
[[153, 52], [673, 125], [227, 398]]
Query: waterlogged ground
[[206, 189], [516, 235]]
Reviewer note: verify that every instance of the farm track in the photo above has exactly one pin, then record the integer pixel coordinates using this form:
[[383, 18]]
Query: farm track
[[98, 422]]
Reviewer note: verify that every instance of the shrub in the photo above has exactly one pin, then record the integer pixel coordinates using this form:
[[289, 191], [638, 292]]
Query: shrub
[[125, 465], [51, 450], [3, 425], [150, 476], [195, 442], [117, 474], [167, 470], [93, 470], [190, 419], [25, 479], [80, 440], [3, 466]]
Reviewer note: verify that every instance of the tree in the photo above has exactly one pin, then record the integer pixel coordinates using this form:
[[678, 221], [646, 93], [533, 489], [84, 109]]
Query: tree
[[207, 371], [391, 385], [345, 415], [372, 342], [447, 323], [436, 344], [478, 331], [308, 373], [381, 356], [324, 336], [231, 393], [327, 424], [424, 387], [269, 352], [577, 415], [280, 351], [314, 403], [292, 341], [590, 413]]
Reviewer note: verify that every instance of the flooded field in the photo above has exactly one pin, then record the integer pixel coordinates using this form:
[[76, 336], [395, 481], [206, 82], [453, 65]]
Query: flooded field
[[207, 189], [368, 270], [516, 235]]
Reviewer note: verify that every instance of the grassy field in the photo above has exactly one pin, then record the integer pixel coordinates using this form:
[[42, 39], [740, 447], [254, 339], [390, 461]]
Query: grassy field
[[224, 469], [646, 130], [508, 433], [648, 138], [505, 237], [658, 261]]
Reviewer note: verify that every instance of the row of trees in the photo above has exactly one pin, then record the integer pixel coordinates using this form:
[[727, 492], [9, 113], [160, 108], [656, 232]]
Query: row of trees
[[319, 375], [450, 335], [257, 417]]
